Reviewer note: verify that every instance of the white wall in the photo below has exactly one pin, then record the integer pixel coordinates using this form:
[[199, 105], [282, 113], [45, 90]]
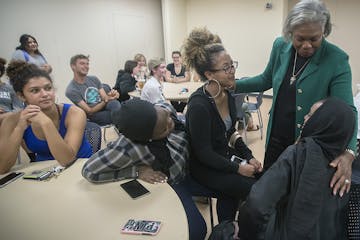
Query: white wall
[[110, 31], [246, 28], [175, 25]]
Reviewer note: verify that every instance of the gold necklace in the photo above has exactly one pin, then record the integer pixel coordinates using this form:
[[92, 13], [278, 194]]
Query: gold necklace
[[294, 75]]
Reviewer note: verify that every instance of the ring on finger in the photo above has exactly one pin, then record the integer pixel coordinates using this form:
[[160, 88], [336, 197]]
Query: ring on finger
[[347, 181]]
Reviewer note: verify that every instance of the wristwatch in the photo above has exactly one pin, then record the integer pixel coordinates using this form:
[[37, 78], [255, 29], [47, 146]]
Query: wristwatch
[[350, 151]]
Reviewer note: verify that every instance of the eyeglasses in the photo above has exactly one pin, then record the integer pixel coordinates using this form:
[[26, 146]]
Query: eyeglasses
[[227, 69]]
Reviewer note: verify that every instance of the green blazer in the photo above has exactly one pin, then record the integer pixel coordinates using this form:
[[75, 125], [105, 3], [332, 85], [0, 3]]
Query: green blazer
[[327, 74]]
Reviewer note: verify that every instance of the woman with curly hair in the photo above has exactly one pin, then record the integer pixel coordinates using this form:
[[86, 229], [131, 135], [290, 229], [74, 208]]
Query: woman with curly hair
[[210, 122]]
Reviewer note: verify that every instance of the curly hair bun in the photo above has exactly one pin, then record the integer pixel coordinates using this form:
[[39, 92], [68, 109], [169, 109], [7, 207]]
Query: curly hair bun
[[199, 47], [2, 66]]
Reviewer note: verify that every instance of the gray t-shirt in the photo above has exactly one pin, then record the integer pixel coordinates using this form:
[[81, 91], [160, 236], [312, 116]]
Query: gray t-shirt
[[87, 91], [38, 60], [8, 100]]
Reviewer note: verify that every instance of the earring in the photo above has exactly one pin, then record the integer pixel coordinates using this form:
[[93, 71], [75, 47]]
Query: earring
[[219, 87]]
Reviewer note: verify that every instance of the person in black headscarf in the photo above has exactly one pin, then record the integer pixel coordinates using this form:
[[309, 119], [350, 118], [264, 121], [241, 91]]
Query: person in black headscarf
[[293, 199]]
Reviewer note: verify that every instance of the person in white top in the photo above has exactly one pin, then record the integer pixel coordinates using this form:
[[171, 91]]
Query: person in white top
[[152, 90]]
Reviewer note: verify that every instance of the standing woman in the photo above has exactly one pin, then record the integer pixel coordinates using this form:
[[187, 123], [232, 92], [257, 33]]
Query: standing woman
[[304, 68], [210, 124], [28, 51], [48, 129]]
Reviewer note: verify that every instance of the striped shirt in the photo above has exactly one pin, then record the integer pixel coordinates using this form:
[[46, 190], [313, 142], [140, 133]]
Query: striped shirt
[[122, 157]]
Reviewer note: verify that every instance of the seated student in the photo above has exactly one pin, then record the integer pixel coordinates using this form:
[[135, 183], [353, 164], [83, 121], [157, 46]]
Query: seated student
[[177, 73], [210, 124], [126, 79], [141, 60], [50, 130], [153, 88], [153, 148], [293, 199], [87, 92], [9, 102]]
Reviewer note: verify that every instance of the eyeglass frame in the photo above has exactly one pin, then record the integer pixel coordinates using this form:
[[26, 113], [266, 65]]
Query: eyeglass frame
[[228, 69]]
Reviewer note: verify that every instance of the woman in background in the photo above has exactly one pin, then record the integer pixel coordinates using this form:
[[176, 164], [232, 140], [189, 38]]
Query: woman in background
[[144, 71], [126, 79], [48, 129], [28, 51], [176, 71]]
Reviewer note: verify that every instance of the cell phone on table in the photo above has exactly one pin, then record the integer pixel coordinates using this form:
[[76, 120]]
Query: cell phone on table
[[134, 189], [10, 178], [143, 227]]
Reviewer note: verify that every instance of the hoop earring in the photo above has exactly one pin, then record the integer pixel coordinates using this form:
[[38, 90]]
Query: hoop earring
[[207, 83]]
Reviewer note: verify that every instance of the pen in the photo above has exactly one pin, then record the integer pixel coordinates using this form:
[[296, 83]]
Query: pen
[[45, 176]]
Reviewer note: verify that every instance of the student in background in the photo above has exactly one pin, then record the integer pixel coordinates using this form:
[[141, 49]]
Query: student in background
[[144, 71], [28, 51], [153, 147], [153, 88], [48, 129], [293, 199], [176, 71], [87, 92], [9, 102], [126, 79]]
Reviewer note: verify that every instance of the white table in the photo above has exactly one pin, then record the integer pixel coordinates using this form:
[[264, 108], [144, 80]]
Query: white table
[[173, 91], [69, 207]]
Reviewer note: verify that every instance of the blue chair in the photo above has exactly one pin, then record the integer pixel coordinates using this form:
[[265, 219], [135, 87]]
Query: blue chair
[[93, 135]]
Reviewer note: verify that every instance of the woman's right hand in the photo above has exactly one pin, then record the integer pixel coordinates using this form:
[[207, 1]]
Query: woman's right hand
[[147, 174], [246, 170], [26, 114]]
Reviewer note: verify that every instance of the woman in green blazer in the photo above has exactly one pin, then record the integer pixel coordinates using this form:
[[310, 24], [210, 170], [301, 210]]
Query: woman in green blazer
[[304, 68]]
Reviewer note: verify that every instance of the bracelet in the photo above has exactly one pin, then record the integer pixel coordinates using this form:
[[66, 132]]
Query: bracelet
[[233, 139], [350, 151]]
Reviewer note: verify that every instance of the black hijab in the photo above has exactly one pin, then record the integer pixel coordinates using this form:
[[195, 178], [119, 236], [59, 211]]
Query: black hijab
[[324, 137], [331, 126]]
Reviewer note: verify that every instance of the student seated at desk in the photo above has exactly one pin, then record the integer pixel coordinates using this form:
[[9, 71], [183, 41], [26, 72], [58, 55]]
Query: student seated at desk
[[48, 129], [293, 199], [153, 147], [9, 102]]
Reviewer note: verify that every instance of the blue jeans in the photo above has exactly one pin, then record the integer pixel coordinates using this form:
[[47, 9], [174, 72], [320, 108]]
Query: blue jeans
[[196, 223], [103, 117]]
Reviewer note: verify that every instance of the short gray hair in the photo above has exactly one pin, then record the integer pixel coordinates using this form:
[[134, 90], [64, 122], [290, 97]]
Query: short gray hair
[[307, 11]]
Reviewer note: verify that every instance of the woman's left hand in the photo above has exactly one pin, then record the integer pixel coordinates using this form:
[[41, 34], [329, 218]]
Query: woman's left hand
[[256, 164], [341, 181]]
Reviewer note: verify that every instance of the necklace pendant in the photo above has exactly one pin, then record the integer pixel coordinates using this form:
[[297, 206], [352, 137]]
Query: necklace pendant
[[292, 80]]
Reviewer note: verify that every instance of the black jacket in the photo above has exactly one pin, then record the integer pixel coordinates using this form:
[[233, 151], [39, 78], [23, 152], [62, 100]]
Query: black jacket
[[124, 83]]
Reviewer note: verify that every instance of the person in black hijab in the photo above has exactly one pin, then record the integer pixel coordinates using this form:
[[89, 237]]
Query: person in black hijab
[[293, 199]]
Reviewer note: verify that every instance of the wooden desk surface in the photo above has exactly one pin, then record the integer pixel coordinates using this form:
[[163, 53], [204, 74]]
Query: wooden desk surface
[[69, 207], [173, 91]]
